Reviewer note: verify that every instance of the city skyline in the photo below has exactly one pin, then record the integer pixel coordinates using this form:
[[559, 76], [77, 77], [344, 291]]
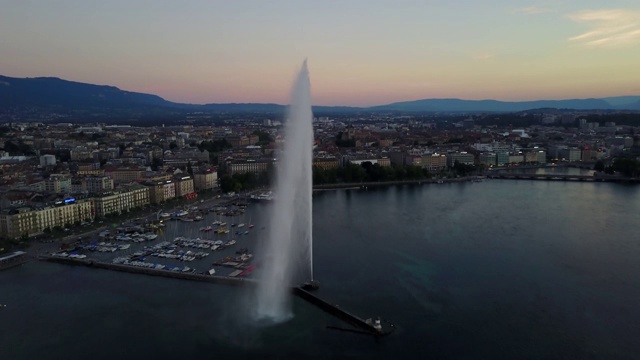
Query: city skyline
[[360, 53]]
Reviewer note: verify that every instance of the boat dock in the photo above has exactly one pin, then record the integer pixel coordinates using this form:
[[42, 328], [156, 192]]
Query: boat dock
[[15, 259], [225, 280]]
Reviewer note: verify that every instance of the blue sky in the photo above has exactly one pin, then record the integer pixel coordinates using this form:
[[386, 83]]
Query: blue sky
[[360, 52]]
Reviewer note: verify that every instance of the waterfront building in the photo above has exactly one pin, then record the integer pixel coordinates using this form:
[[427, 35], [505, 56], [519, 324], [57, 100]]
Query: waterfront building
[[205, 180], [570, 154], [28, 221], [462, 157], [487, 158], [531, 156], [516, 158], [161, 191], [434, 162], [502, 158], [183, 185], [121, 200]]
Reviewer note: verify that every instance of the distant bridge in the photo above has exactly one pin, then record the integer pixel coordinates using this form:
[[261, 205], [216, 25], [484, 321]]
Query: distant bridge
[[562, 177]]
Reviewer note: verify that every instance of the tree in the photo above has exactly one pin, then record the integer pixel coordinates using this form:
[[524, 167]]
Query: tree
[[189, 168], [263, 137], [626, 166], [599, 166], [173, 145], [155, 164]]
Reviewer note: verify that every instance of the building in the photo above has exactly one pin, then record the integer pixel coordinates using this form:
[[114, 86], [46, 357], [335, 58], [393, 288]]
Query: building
[[98, 184], [89, 169], [121, 200], [183, 185], [161, 191], [516, 158], [27, 221], [48, 160], [326, 163], [434, 162], [570, 154], [487, 158], [249, 166], [502, 158], [125, 175], [461, 157], [206, 180], [58, 184], [238, 141]]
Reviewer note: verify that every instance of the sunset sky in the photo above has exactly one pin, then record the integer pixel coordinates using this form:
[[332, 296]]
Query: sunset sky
[[360, 52]]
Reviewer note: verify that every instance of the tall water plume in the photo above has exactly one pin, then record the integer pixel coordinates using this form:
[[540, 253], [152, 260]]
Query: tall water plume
[[289, 245]]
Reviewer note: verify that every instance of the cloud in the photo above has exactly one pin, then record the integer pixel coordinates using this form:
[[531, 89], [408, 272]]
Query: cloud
[[609, 28], [530, 10]]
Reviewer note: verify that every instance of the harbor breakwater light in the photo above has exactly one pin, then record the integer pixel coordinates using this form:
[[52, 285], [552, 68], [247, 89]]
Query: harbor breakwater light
[[288, 247]]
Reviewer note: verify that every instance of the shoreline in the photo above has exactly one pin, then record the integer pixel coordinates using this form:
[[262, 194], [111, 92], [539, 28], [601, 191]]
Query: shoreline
[[366, 184]]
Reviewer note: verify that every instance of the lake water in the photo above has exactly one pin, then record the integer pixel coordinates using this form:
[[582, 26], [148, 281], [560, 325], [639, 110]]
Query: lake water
[[500, 269]]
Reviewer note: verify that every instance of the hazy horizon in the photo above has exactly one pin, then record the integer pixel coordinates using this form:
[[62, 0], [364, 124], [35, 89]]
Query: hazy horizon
[[361, 53]]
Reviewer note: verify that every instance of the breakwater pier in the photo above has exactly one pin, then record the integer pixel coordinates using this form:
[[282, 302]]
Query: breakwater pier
[[365, 326]]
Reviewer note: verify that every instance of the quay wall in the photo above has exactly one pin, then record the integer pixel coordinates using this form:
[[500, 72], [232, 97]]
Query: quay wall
[[356, 185]]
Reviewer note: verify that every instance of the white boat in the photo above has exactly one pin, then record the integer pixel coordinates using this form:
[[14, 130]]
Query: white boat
[[182, 213], [211, 271]]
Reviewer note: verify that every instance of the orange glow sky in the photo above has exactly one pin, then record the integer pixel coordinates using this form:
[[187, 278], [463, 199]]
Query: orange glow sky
[[360, 52]]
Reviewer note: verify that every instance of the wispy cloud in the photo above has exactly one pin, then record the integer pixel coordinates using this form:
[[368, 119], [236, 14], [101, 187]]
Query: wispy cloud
[[530, 10], [609, 28]]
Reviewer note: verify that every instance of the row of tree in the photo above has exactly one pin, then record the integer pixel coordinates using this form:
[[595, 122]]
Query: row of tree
[[244, 181], [629, 167], [368, 172]]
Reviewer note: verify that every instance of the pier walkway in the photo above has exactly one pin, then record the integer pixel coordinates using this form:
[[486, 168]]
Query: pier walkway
[[225, 280], [335, 310]]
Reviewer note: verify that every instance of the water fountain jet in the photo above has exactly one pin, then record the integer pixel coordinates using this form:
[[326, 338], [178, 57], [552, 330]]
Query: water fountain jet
[[289, 242]]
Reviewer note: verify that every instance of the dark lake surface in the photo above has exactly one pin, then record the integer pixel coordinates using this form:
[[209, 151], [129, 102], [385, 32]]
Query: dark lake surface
[[499, 269]]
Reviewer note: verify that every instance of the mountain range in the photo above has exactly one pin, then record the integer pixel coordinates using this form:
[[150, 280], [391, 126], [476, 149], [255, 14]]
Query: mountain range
[[49, 93]]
